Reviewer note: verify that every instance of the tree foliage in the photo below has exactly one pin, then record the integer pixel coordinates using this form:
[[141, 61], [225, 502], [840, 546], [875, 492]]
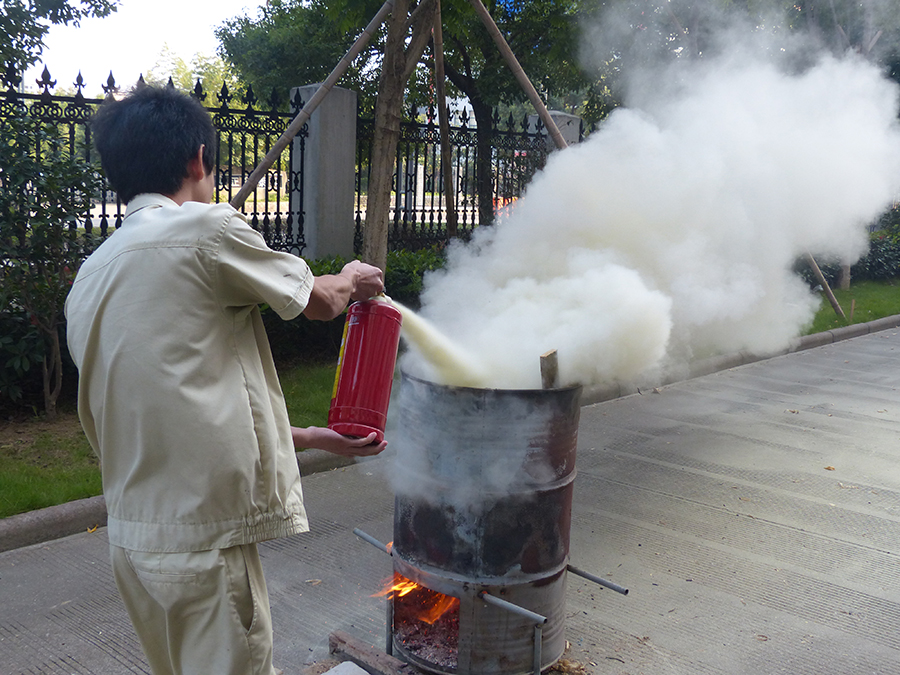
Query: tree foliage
[[624, 35], [24, 24], [43, 188], [542, 34], [210, 71], [293, 43]]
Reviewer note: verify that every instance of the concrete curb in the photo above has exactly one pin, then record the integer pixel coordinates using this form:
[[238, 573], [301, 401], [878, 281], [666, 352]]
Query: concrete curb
[[42, 525], [54, 522], [36, 527]]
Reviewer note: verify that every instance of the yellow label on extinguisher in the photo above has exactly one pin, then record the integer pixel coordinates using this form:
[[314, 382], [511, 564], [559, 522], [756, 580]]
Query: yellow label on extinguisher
[[340, 364]]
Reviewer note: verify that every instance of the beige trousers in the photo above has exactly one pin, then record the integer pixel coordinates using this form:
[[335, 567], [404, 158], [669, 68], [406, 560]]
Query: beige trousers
[[198, 613]]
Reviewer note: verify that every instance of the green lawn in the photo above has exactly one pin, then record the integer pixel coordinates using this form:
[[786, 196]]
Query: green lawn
[[865, 301], [43, 463], [307, 391], [47, 463]]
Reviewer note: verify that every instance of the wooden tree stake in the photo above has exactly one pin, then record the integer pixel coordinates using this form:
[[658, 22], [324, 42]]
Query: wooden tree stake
[[549, 370], [825, 287], [520, 75]]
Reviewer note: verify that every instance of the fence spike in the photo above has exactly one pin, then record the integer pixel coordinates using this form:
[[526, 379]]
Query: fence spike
[[274, 101], [46, 83], [198, 92], [297, 102], [224, 96], [249, 98], [110, 87]]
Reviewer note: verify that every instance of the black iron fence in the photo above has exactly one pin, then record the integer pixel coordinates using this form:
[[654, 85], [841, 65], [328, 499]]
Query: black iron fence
[[421, 199], [248, 127]]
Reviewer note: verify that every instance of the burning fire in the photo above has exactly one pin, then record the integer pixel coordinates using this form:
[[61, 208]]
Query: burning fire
[[427, 605]]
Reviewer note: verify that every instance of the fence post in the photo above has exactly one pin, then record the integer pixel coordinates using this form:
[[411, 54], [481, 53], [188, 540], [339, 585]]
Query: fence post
[[329, 174]]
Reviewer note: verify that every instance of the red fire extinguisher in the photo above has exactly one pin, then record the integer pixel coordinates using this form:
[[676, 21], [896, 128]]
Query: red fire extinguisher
[[365, 371]]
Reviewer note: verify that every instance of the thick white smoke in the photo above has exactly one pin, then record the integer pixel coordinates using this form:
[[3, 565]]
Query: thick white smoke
[[670, 233]]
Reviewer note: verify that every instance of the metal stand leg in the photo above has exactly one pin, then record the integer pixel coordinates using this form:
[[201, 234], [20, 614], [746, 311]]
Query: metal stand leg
[[539, 621], [389, 623], [538, 645]]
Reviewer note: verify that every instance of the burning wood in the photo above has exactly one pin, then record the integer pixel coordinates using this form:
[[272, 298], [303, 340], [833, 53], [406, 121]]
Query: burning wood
[[426, 622], [435, 641], [426, 605]]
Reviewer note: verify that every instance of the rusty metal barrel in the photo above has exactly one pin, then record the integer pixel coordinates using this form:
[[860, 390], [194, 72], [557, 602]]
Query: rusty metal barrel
[[484, 481]]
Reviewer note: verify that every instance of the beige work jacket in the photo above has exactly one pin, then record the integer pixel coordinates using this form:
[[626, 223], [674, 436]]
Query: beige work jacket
[[178, 393]]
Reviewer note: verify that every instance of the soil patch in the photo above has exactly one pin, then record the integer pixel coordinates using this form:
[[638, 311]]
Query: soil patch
[[18, 436]]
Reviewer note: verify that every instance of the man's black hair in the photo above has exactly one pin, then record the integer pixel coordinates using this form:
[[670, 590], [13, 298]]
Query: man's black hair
[[146, 140]]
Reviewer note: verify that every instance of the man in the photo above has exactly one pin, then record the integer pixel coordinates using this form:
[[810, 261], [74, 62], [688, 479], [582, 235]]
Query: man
[[178, 393]]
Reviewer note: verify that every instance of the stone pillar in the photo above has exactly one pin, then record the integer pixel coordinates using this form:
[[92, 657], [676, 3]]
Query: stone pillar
[[569, 127], [329, 173]]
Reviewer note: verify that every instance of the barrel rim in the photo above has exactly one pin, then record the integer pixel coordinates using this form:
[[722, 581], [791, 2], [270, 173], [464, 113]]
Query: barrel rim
[[519, 392]]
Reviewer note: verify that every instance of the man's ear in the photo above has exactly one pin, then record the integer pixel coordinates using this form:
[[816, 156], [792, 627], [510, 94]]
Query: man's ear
[[196, 169]]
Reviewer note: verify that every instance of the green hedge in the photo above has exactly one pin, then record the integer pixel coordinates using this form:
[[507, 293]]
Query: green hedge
[[20, 346], [880, 263], [301, 338]]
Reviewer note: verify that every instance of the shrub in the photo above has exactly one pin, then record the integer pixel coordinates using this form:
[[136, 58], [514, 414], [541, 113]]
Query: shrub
[[403, 279], [44, 186], [882, 261], [301, 338], [21, 352]]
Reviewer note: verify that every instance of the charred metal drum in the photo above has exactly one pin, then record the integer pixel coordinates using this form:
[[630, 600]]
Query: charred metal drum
[[484, 483]]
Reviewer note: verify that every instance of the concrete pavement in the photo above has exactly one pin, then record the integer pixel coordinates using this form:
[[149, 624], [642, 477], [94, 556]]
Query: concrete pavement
[[754, 514]]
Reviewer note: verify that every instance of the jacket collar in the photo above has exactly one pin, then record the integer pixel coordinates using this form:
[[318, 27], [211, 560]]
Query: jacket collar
[[147, 200]]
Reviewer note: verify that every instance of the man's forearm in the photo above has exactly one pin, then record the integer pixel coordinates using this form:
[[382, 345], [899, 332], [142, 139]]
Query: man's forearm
[[330, 294]]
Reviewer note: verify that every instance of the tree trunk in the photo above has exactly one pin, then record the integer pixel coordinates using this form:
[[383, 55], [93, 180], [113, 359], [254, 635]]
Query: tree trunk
[[388, 109], [844, 279], [444, 124], [52, 375], [484, 176], [397, 66]]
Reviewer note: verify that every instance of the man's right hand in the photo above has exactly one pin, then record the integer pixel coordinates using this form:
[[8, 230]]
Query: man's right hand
[[369, 280], [331, 292]]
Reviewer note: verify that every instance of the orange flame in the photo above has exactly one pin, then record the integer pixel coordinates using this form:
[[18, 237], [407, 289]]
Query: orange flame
[[431, 604], [442, 605]]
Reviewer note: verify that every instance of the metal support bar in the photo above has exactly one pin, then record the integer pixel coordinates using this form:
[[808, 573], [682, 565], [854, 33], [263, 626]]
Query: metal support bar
[[539, 621], [372, 540], [510, 607], [597, 580]]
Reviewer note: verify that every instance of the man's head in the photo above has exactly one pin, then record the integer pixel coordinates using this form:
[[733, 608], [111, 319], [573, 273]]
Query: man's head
[[148, 139]]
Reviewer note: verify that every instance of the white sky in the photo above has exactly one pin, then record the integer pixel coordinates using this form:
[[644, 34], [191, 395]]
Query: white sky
[[129, 41]]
